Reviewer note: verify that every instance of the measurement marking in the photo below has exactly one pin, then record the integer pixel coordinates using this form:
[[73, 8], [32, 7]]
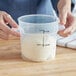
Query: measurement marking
[[43, 31], [43, 45]]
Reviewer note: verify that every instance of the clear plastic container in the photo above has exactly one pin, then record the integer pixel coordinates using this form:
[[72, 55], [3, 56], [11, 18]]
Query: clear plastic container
[[38, 36]]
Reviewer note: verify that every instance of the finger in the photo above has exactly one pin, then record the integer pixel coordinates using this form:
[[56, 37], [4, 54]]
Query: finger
[[5, 28], [68, 29], [3, 35], [14, 30], [10, 20], [72, 23], [61, 33], [63, 17], [8, 30], [73, 28]]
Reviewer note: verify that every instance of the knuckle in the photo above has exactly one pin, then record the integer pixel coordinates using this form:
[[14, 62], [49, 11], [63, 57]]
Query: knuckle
[[9, 16], [2, 12], [5, 13]]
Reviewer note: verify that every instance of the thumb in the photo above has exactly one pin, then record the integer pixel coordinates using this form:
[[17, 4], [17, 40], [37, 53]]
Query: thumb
[[63, 17]]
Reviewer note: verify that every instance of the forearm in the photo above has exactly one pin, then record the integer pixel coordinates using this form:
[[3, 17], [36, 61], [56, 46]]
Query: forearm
[[67, 1], [64, 5]]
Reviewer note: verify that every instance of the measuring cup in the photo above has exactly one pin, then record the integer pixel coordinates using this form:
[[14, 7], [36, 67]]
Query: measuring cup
[[38, 36]]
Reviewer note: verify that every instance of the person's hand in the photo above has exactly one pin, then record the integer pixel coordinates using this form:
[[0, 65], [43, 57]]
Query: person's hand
[[66, 18], [70, 26], [5, 31]]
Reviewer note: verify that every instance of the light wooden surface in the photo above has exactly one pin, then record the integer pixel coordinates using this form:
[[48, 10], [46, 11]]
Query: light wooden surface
[[11, 63]]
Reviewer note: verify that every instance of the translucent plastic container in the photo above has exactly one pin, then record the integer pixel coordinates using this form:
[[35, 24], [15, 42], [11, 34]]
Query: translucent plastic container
[[38, 36]]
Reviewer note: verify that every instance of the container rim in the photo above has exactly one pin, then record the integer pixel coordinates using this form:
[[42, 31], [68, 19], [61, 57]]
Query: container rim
[[56, 19]]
